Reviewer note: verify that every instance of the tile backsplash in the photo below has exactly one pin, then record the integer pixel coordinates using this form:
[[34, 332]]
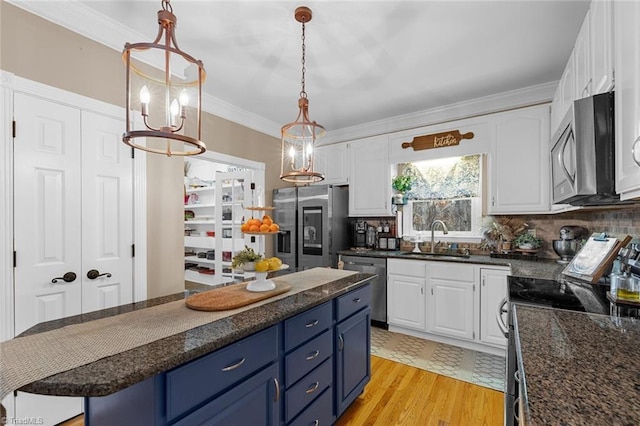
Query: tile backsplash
[[619, 221]]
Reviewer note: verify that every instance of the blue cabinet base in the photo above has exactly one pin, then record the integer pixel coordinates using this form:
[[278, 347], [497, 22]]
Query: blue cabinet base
[[235, 387]]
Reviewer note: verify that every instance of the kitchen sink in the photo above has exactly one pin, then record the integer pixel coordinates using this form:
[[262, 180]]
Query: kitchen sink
[[436, 255]]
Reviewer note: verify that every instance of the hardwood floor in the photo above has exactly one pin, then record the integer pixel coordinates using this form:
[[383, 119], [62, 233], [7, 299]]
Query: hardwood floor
[[402, 395]]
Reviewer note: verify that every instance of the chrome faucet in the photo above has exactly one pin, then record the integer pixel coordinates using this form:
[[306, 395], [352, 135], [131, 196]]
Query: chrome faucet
[[433, 227]]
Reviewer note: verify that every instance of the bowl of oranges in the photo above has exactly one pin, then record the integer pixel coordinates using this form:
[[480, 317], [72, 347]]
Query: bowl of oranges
[[263, 226]]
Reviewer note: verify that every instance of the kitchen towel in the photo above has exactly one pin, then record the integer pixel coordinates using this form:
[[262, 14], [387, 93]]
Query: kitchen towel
[[27, 359]]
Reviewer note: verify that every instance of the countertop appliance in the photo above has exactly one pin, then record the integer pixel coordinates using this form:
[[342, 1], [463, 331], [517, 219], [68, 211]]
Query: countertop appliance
[[359, 233], [583, 154], [313, 225], [570, 242], [373, 265]]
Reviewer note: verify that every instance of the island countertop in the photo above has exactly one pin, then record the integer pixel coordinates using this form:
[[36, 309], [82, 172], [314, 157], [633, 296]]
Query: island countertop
[[578, 368], [114, 373]]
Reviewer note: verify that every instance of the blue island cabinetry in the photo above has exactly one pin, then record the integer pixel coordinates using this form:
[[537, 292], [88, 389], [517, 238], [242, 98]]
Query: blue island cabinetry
[[306, 370]]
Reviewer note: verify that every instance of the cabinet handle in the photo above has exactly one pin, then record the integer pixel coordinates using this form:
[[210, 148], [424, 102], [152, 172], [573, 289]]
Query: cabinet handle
[[340, 342], [234, 366], [316, 423], [277, 385], [432, 291], [516, 376], [311, 324], [67, 278], [501, 310], [313, 355], [633, 152], [516, 403], [313, 388], [483, 283], [357, 300], [421, 290]]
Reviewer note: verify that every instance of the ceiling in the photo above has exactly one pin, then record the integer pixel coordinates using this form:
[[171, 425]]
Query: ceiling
[[366, 60]]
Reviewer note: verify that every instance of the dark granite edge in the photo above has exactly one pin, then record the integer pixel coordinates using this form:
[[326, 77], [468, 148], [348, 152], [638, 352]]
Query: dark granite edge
[[521, 373], [541, 268], [114, 373]]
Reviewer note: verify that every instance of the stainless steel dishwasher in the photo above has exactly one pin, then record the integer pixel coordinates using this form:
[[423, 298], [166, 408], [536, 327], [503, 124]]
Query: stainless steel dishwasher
[[373, 265]]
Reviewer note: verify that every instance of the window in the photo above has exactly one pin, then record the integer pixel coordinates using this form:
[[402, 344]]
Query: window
[[447, 189]]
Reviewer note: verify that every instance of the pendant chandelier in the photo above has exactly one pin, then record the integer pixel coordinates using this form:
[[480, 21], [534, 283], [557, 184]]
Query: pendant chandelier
[[170, 105], [299, 137]]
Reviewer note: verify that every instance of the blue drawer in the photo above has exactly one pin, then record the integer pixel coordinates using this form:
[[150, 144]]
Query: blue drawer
[[194, 383], [307, 357], [308, 324], [308, 389], [353, 301]]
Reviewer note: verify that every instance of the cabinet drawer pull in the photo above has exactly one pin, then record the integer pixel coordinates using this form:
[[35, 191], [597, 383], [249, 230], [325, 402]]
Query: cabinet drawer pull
[[340, 342], [277, 385], [313, 388], [516, 376], [313, 355], [311, 324], [356, 300], [234, 366], [316, 422]]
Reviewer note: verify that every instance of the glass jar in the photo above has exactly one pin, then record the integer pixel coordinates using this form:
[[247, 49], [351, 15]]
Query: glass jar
[[628, 288]]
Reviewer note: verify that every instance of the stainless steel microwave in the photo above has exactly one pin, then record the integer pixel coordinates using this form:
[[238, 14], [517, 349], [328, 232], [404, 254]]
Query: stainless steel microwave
[[583, 154]]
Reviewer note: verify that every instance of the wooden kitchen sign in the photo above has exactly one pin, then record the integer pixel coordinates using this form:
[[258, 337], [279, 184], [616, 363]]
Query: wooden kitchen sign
[[437, 140]]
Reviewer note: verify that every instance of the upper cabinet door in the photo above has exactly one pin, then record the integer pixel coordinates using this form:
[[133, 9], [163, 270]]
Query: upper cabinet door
[[331, 161], [582, 61], [627, 99], [601, 19], [519, 162], [369, 177]]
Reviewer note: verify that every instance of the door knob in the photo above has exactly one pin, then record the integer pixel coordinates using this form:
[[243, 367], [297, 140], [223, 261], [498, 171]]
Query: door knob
[[94, 273], [68, 277]]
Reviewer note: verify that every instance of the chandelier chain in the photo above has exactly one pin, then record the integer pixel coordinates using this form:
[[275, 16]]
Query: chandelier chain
[[303, 93], [166, 5]]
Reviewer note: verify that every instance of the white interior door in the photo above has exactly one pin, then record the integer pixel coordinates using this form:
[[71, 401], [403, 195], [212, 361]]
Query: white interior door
[[47, 211], [46, 229], [107, 214]]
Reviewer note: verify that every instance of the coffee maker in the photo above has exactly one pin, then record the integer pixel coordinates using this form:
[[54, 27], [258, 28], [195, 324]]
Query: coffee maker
[[360, 233]]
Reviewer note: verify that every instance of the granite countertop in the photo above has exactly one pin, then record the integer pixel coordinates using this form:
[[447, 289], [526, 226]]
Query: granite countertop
[[578, 368], [541, 268], [117, 372]]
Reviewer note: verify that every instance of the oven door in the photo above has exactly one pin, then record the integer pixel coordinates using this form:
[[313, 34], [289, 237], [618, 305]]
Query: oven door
[[563, 161]]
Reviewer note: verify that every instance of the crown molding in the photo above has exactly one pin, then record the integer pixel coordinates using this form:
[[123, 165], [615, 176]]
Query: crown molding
[[230, 112], [520, 98]]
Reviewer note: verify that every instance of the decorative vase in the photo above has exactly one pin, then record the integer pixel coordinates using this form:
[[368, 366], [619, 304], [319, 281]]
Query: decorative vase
[[249, 266], [399, 199]]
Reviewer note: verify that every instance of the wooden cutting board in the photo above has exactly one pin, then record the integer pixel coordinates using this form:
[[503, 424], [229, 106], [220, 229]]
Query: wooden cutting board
[[231, 297]]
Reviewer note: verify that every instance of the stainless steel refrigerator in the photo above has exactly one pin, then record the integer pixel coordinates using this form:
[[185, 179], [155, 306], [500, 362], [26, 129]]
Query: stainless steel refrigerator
[[313, 224]]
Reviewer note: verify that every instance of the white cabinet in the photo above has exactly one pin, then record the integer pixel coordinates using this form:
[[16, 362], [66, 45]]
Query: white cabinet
[[493, 289], [519, 162], [369, 177], [331, 161], [406, 302], [451, 306], [582, 61], [627, 98], [601, 19]]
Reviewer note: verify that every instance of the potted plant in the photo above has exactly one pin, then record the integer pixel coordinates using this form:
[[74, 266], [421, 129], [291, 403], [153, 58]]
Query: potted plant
[[503, 230], [245, 259], [527, 241], [402, 184]]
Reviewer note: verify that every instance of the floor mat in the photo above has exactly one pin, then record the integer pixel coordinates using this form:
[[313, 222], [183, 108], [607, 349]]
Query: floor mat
[[463, 364]]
